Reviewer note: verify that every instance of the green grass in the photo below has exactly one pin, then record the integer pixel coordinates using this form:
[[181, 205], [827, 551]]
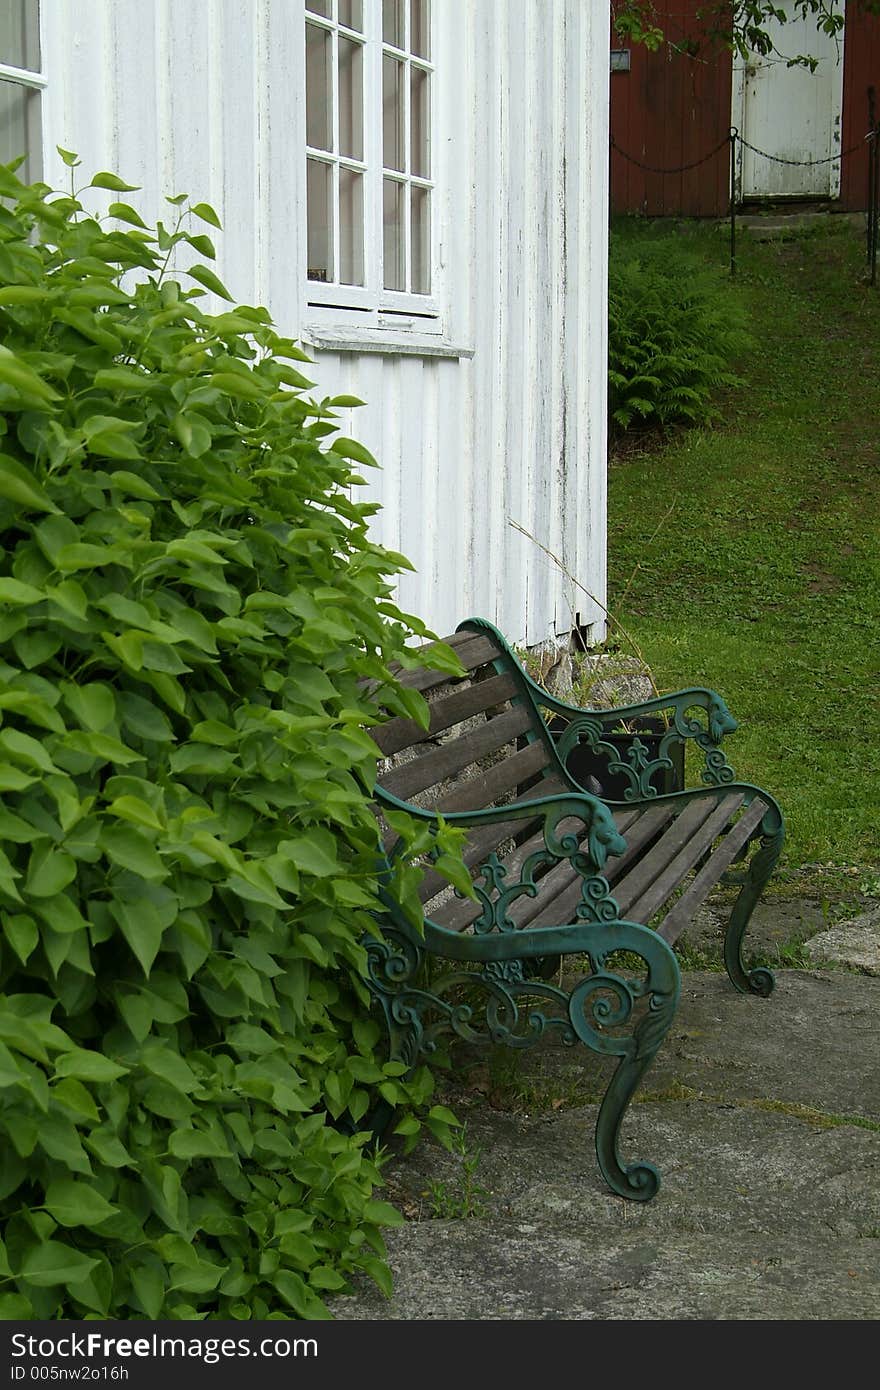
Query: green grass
[[764, 579]]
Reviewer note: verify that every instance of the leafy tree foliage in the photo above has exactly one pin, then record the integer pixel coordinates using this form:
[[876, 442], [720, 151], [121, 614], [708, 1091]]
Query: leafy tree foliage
[[191, 615], [738, 25]]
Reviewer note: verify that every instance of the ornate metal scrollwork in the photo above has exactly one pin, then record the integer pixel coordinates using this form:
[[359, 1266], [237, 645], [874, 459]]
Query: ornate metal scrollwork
[[633, 762]]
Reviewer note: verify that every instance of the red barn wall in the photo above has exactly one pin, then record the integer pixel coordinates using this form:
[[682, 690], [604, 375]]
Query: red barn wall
[[671, 110], [861, 70], [667, 111]]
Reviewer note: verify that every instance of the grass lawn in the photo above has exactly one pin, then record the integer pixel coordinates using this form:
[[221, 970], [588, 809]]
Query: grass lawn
[[764, 579]]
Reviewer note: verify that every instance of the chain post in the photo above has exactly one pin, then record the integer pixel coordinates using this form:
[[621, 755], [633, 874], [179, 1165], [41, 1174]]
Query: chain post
[[871, 220], [873, 186], [734, 133]]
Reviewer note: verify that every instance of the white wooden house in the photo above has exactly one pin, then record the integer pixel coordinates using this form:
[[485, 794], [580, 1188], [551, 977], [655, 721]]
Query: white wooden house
[[417, 189]]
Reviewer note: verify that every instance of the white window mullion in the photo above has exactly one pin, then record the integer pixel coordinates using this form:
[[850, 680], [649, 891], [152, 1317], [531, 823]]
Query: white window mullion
[[334, 136], [407, 152], [373, 25]]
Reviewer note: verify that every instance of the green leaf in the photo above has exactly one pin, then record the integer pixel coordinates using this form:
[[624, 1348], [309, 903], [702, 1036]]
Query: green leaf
[[142, 927], [73, 1094], [53, 1263], [69, 158], [206, 277], [13, 591], [382, 1214], [88, 1066], [126, 213], [131, 849], [112, 436], [295, 1292], [133, 809], [195, 1143], [113, 182], [133, 486], [204, 245], [108, 1148], [23, 379], [74, 1203], [351, 449], [14, 1307], [207, 214], [94, 704], [313, 853], [149, 1285], [22, 934], [19, 485], [379, 1273], [49, 872]]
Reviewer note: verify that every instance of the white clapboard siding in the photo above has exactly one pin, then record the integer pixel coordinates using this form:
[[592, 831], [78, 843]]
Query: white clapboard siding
[[206, 97]]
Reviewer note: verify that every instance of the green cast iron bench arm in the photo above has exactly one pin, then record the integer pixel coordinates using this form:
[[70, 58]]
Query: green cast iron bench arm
[[586, 1013]]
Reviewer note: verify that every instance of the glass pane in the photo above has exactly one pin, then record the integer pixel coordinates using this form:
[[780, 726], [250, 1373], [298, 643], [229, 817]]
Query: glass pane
[[392, 112], [351, 227], [392, 22], [320, 220], [420, 28], [351, 98], [394, 274], [20, 129], [319, 7], [420, 243], [319, 113], [20, 34], [419, 123], [351, 14]]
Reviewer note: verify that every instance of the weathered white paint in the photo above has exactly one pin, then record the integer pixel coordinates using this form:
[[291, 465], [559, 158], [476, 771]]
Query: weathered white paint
[[791, 113], [501, 417]]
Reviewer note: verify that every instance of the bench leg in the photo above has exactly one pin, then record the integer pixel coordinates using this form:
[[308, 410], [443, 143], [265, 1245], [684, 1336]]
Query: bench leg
[[604, 1000], [761, 866], [491, 1000]]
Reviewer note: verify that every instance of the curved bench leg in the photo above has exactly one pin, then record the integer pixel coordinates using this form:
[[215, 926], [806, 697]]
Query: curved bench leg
[[604, 999], [761, 865]]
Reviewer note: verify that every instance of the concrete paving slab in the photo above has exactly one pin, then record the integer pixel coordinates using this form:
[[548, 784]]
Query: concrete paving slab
[[763, 1117]]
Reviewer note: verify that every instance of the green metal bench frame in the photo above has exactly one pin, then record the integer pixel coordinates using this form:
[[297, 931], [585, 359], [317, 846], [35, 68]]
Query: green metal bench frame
[[559, 872]]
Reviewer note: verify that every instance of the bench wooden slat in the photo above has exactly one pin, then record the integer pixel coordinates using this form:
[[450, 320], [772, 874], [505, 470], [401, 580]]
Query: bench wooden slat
[[681, 912], [477, 651], [452, 758], [450, 710], [680, 849], [649, 822], [485, 790]]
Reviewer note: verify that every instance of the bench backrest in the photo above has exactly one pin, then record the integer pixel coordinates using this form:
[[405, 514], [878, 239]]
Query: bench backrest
[[486, 744]]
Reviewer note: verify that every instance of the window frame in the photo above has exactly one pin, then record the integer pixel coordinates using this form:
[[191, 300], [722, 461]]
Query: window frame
[[371, 306], [35, 80]]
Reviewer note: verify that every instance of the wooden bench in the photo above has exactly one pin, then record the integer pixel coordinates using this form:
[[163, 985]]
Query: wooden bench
[[557, 871]]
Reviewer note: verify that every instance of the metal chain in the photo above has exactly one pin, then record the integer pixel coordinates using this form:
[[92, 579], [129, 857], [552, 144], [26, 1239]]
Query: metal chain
[[806, 163], [650, 169], [777, 159]]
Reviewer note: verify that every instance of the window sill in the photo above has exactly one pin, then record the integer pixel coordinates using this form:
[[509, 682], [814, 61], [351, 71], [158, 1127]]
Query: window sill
[[371, 340]]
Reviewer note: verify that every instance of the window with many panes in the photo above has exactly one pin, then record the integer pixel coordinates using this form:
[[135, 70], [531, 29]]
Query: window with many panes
[[369, 162], [21, 81]]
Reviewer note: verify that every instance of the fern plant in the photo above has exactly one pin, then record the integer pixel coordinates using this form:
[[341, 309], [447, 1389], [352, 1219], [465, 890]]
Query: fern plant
[[673, 334]]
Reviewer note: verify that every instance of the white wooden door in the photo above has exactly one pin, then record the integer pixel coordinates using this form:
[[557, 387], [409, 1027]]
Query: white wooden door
[[791, 113]]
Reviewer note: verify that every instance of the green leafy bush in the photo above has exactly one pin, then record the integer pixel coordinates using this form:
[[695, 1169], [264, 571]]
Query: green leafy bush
[[673, 332], [189, 608]]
